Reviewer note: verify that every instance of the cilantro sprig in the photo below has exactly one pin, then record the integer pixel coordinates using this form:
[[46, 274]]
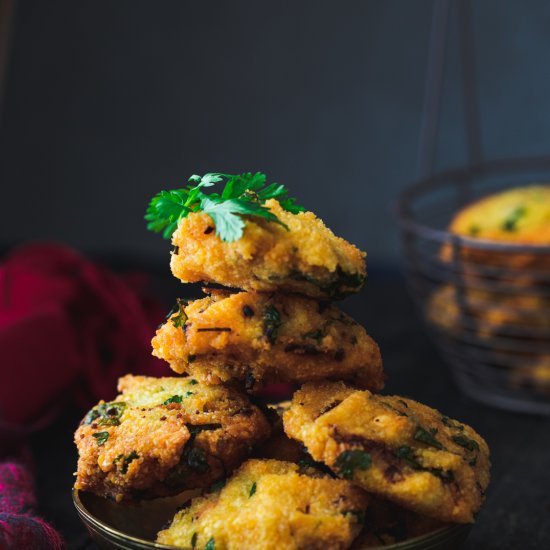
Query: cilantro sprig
[[242, 195]]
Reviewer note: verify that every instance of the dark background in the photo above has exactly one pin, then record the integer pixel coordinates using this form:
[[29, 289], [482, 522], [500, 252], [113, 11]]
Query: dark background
[[106, 103]]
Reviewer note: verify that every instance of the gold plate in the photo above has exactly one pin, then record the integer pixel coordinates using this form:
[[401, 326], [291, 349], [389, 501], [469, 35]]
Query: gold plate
[[115, 526]]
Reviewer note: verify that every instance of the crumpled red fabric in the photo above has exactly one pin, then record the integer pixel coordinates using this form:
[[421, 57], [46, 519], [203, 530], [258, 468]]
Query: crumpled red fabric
[[20, 528], [69, 329]]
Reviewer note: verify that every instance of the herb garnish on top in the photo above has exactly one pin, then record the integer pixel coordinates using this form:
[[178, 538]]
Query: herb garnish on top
[[243, 195]]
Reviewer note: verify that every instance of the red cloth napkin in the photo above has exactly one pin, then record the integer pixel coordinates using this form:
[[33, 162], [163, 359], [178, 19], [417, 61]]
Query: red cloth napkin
[[19, 527], [68, 330]]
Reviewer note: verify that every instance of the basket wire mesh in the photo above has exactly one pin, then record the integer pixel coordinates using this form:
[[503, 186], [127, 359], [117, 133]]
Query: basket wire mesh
[[486, 303]]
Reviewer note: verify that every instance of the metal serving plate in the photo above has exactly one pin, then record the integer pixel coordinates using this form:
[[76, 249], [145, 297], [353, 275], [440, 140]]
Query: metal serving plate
[[114, 526]]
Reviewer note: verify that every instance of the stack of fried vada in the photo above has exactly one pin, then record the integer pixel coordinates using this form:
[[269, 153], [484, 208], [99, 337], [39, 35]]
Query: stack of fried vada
[[338, 463]]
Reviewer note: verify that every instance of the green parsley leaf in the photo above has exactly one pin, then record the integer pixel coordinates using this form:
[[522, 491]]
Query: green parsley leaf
[[349, 461], [166, 210], [207, 180], [210, 545], [243, 195], [101, 437], [252, 490]]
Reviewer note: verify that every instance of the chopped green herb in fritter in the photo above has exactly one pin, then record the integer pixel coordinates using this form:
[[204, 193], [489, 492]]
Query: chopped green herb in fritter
[[349, 461]]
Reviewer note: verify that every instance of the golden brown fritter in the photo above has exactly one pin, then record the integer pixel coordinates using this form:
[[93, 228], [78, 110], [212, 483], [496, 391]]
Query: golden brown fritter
[[255, 339], [520, 216], [393, 447], [307, 258], [271, 505], [387, 523], [163, 435]]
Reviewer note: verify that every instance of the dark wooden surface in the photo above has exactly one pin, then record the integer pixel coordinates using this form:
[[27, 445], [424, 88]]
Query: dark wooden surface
[[517, 510]]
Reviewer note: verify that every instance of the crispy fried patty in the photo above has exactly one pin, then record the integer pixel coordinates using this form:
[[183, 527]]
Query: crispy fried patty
[[521, 215], [163, 435], [253, 338], [518, 216], [306, 258], [393, 447], [271, 505]]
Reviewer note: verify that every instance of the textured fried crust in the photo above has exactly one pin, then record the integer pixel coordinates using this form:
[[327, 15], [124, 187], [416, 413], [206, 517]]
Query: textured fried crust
[[393, 447], [387, 523], [163, 435], [490, 313], [254, 338], [272, 505], [520, 215], [307, 258]]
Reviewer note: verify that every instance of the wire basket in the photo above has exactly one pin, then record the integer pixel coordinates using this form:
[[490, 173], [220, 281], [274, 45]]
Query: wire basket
[[486, 303]]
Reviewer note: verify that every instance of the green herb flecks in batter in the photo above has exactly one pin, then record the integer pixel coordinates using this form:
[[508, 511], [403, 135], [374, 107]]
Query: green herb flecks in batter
[[106, 414], [195, 429], [272, 322], [465, 442], [126, 461], [242, 195], [173, 399], [218, 486], [181, 318], [252, 489], [349, 461], [407, 455], [394, 409], [427, 437], [474, 230], [511, 221], [101, 437], [452, 423]]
